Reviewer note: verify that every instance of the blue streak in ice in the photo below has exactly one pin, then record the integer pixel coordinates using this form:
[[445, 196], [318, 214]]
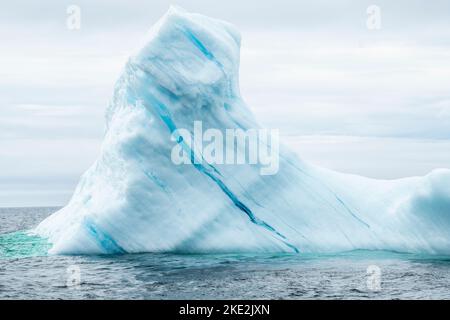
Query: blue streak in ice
[[104, 240], [164, 114]]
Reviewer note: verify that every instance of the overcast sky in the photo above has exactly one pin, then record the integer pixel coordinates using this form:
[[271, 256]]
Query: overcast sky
[[371, 102]]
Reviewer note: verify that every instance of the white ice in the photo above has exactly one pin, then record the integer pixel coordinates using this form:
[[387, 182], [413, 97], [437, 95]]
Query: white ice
[[135, 199]]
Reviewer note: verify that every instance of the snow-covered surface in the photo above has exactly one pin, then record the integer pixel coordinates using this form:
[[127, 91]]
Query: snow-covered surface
[[135, 199]]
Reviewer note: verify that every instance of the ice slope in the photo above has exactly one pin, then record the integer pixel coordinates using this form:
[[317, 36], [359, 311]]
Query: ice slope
[[135, 199]]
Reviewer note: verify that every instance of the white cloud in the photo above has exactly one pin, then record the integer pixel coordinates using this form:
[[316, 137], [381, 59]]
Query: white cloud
[[308, 68], [382, 158]]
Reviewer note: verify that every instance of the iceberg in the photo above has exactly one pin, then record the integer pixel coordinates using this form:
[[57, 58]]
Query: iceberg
[[134, 198]]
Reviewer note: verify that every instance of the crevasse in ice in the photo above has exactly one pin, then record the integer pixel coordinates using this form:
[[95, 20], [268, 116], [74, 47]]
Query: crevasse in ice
[[135, 199]]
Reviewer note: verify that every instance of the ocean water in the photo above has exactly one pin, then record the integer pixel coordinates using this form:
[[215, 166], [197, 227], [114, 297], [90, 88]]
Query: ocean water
[[27, 273]]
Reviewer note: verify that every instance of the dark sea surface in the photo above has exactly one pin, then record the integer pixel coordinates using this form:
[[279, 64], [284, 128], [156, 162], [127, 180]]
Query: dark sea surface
[[351, 275]]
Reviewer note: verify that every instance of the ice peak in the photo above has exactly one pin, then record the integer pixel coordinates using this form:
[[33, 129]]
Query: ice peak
[[185, 55], [196, 35], [176, 10]]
